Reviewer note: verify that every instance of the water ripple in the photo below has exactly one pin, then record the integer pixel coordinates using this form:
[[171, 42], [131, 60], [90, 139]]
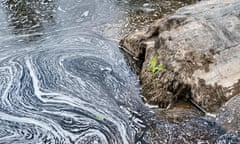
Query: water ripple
[[61, 81]]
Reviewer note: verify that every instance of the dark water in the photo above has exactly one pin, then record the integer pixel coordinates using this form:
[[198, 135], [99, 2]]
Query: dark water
[[62, 77], [141, 13]]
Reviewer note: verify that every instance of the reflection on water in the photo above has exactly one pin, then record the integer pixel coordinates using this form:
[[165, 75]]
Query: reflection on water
[[29, 16], [144, 12]]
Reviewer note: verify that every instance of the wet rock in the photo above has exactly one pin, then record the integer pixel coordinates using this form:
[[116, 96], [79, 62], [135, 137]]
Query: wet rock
[[199, 48], [229, 115]]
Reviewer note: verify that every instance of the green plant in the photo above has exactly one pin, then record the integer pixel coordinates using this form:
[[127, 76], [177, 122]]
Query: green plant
[[154, 67], [99, 117]]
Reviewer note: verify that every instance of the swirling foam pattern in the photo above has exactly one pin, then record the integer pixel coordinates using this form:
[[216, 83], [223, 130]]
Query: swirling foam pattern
[[61, 80]]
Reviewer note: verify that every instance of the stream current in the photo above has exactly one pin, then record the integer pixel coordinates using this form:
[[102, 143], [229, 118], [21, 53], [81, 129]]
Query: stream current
[[63, 79]]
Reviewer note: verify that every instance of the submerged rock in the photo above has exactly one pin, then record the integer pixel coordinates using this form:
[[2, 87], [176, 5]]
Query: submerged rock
[[232, 137], [188, 132], [199, 48]]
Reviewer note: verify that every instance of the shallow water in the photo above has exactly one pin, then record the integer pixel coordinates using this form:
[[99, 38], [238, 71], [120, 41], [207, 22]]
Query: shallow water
[[62, 77], [141, 13]]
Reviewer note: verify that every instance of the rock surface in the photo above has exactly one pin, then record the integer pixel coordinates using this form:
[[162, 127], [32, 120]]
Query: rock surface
[[229, 115], [199, 47]]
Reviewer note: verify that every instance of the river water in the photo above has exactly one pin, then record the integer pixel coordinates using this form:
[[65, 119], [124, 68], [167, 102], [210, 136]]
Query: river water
[[62, 77]]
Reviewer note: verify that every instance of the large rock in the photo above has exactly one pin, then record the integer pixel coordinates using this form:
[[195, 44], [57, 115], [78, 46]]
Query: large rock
[[199, 48], [229, 115]]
